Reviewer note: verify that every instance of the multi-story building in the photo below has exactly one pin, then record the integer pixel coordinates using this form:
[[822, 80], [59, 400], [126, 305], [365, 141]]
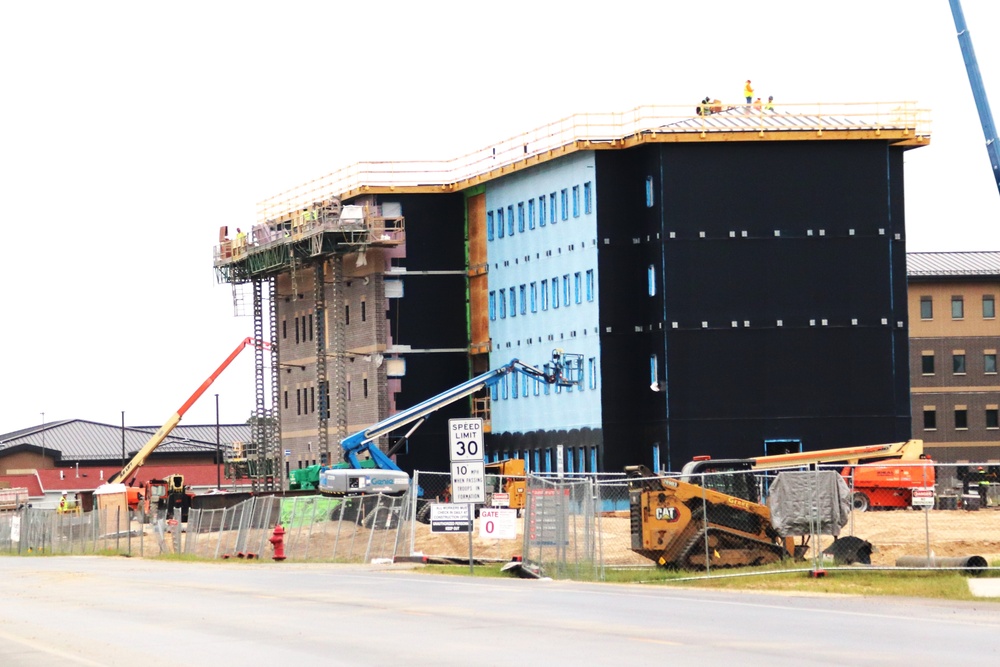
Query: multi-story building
[[954, 338], [735, 283]]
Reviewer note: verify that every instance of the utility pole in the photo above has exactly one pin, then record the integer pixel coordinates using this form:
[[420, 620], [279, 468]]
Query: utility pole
[[218, 448], [123, 438]]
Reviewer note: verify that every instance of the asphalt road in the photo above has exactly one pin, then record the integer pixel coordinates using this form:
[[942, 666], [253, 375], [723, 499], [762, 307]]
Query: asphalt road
[[118, 611]]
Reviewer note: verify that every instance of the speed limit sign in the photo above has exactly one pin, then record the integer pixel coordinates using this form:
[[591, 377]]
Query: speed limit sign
[[466, 439], [468, 483]]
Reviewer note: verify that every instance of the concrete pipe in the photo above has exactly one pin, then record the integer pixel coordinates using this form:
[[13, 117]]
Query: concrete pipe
[[970, 565]]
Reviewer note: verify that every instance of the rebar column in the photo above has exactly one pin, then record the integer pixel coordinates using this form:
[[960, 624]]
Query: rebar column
[[274, 423], [338, 349], [322, 386]]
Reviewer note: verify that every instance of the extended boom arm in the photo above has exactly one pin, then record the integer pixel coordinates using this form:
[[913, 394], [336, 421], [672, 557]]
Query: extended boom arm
[[164, 431], [564, 370], [978, 90]]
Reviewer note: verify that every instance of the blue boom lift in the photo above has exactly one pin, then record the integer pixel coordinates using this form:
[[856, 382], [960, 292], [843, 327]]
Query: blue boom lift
[[367, 469], [978, 91]]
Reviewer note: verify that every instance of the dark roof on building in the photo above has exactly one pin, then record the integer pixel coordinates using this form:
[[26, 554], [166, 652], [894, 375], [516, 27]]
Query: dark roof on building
[[952, 264], [80, 479], [82, 440]]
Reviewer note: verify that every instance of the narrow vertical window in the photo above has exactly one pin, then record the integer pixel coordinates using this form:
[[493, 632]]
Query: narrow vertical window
[[654, 377], [364, 387], [513, 301], [588, 206], [990, 363], [592, 372], [555, 292], [541, 211], [576, 201], [564, 197], [578, 287], [545, 294], [533, 290], [347, 313], [927, 363], [493, 305], [958, 363], [364, 312], [649, 192], [515, 385], [284, 328], [501, 228], [489, 226], [312, 399], [957, 308], [989, 307], [510, 220], [348, 390], [310, 326], [522, 292], [590, 285], [286, 398], [566, 292], [552, 208], [531, 214], [296, 328], [298, 401], [651, 280], [992, 417], [520, 217], [502, 302], [926, 308]]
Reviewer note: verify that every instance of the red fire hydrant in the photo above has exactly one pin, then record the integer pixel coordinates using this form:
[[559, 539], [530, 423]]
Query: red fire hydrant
[[277, 541]]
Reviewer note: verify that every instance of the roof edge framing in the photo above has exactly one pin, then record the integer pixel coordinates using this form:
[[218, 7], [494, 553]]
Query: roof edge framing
[[901, 124]]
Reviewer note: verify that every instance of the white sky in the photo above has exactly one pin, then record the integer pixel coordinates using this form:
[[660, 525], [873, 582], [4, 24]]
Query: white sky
[[130, 132]]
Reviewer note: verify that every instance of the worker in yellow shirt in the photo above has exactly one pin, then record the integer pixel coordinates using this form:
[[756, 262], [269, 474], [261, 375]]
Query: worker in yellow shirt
[[748, 91]]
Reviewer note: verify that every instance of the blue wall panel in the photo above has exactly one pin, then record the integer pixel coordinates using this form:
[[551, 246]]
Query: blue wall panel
[[562, 247]]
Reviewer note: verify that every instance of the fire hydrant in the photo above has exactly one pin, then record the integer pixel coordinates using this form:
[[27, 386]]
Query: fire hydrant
[[277, 541]]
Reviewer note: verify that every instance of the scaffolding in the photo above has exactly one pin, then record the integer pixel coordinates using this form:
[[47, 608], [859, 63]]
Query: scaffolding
[[314, 239]]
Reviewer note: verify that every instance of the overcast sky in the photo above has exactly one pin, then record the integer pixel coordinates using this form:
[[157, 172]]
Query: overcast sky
[[131, 131]]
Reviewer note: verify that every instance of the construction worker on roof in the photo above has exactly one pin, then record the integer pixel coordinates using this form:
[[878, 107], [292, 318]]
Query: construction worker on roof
[[770, 103], [748, 91], [758, 105]]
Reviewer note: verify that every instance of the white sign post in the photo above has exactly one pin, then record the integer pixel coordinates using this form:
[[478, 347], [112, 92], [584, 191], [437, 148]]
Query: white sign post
[[468, 472]]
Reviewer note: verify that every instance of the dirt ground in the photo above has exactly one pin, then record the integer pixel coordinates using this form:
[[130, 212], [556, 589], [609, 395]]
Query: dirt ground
[[893, 534]]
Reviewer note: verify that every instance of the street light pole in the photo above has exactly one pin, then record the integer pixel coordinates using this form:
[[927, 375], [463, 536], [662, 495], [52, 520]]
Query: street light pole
[[123, 438], [218, 448]]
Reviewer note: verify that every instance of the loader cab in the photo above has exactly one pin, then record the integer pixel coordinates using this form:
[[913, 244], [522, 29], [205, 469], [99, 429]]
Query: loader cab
[[733, 477]]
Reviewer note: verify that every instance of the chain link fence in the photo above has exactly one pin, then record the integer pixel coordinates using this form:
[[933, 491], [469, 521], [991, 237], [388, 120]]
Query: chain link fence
[[582, 525], [31, 531], [316, 528]]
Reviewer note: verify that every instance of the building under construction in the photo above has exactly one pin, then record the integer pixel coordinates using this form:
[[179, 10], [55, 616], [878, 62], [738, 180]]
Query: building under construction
[[734, 278]]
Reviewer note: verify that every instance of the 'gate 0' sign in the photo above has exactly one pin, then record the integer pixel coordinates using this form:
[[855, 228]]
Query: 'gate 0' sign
[[465, 437]]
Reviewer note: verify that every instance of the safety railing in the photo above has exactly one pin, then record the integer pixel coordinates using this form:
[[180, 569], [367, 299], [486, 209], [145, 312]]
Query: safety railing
[[600, 128]]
